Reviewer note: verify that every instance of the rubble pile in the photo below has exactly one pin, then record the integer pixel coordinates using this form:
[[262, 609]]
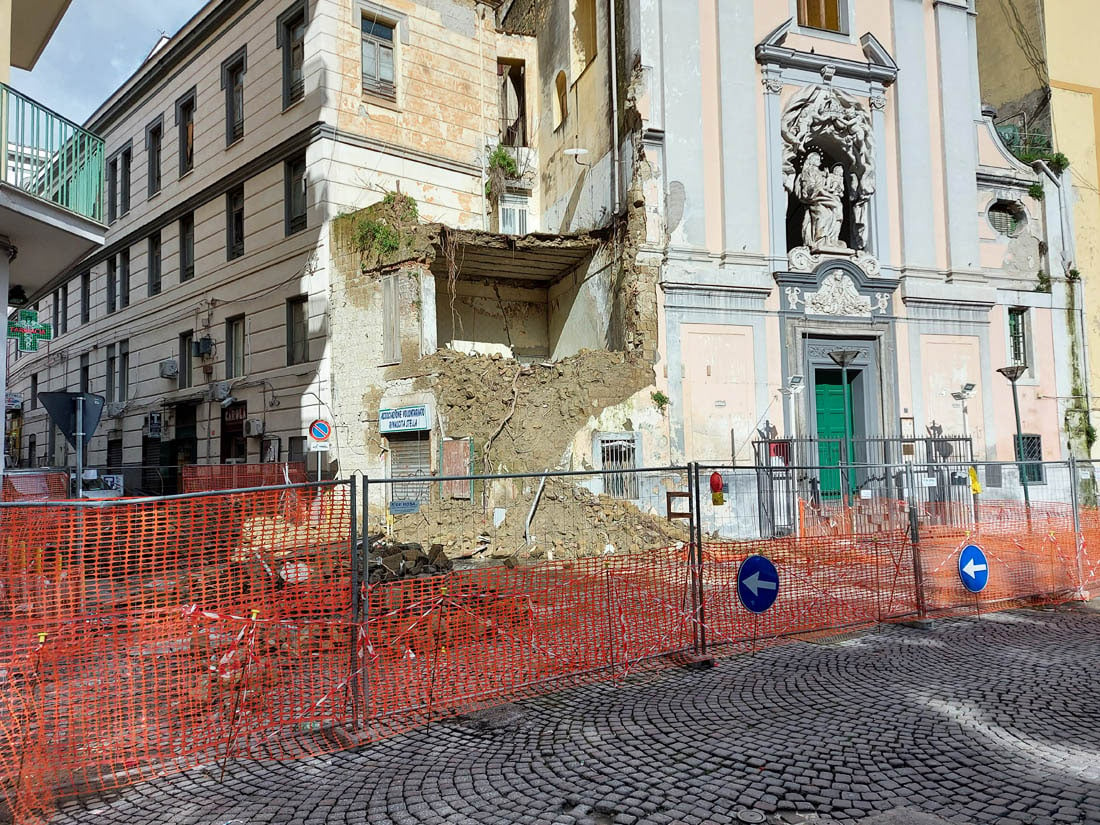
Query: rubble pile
[[569, 522], [389, 561]]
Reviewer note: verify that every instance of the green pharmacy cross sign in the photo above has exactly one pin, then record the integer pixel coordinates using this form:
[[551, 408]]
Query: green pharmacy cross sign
[[26, 330]]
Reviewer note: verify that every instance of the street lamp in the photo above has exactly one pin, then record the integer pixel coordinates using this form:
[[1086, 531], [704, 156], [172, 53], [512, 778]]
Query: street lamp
[[1013, 374], [844, 358], [795, 385], [962, 396]]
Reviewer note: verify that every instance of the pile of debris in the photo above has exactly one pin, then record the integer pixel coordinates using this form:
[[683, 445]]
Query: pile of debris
[[389, 561]]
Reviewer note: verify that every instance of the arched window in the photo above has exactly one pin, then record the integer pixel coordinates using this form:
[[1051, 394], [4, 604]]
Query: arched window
[[561, 99]]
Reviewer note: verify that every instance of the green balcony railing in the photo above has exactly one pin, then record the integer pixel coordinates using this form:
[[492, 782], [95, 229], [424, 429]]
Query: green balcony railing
[[50, 157]]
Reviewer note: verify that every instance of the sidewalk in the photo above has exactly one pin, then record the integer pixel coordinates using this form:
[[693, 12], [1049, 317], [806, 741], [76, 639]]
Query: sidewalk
[[975, 721]]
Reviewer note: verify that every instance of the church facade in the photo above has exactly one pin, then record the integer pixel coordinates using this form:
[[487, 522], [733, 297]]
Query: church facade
[[846, 245]]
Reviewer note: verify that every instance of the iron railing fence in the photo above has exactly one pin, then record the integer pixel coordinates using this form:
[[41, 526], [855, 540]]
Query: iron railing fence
[[49, 156]]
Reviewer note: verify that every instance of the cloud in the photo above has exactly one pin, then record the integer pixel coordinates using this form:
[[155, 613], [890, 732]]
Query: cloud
[[96, 48]]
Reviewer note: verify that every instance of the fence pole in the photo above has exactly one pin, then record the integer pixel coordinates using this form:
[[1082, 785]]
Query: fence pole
[[356, 578], [698, 608], [1078, 536], [914, 539], [365, 596], [693, 522]]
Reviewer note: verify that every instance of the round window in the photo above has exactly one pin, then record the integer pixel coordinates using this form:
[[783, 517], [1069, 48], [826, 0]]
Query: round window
[[1007, 218]]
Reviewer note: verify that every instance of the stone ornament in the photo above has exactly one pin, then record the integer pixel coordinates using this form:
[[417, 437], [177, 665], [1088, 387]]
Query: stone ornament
[[824, 116], [838, 296], [772, 85], [803, 259]]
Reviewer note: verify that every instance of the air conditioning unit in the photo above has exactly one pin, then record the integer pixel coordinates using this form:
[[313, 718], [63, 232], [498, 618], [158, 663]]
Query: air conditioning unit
[[203, 348], [115, 409], [253, 428], [169, 368], [151, 427]]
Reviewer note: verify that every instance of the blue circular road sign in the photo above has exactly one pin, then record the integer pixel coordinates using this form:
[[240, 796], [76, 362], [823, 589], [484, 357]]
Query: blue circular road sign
[[757, 584], [320, 430], [973, 568]]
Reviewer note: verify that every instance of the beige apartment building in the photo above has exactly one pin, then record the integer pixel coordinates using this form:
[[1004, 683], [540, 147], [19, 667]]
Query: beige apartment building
[[244, 288]]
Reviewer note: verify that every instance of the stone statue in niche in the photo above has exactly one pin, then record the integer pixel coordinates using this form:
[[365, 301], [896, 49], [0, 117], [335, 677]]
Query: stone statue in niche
[[822, 193], [828, 167]]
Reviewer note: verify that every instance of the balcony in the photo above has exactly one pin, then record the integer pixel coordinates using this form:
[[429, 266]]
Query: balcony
[[51, 189]]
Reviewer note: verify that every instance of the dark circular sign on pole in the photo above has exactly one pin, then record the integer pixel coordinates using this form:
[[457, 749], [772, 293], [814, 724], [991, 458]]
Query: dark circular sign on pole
[[320, 430], [973, 568], [757, 584]]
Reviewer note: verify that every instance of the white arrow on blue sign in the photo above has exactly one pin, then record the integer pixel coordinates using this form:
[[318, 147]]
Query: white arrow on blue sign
[[973, 568], [757, 584]]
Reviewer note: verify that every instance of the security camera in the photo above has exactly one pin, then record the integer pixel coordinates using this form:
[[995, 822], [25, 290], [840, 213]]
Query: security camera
[[228, 402]]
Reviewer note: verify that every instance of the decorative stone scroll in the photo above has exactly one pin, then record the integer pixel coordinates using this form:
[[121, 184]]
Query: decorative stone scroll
[[838, 296]]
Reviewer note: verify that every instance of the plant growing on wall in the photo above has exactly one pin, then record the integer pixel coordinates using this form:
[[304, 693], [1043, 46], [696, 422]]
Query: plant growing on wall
[[660, 401], [502, 168], [1044, 282], [1036, 191], [385, 228]]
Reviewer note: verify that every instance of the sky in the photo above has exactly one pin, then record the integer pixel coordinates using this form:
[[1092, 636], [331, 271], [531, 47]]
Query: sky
[[98, 44]]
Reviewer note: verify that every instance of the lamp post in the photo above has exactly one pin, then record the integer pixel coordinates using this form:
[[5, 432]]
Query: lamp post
[[794, 386], [1013, 374], [962, 396], [843, 358]]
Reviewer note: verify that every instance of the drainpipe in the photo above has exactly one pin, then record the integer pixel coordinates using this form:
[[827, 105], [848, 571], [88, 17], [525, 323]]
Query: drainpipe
[[613, 59], [7, 255], [481, 119]]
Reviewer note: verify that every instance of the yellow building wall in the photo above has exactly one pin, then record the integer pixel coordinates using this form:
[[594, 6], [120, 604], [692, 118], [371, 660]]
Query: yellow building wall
[[1074, 64], [1003, 63]]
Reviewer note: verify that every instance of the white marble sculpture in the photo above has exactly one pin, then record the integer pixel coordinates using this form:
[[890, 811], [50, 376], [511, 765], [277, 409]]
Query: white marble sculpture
[[825, 116], [822, 193]]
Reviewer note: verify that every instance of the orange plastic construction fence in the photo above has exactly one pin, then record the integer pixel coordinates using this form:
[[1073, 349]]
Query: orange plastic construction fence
[[39, 485], [139, 636], [147, 636], [198, 478]]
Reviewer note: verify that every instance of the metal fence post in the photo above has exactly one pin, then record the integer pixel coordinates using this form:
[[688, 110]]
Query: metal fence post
[[693, 523], [699, 634], [1078, 535], [914, 539], [365, 596], [356, 575]]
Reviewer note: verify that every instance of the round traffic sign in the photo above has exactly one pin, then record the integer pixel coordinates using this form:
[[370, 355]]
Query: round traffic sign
[[757, 584], [320, 430], [973, 568]]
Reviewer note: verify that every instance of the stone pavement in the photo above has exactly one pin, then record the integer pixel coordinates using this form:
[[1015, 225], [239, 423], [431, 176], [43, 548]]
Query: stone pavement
[[994, 720]]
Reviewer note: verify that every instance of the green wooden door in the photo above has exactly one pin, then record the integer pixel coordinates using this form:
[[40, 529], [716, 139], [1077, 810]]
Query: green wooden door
[[829, 397]]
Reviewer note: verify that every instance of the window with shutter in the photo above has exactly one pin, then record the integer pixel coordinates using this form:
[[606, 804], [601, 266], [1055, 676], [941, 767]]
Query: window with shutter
[[378, 60], [410, 456]]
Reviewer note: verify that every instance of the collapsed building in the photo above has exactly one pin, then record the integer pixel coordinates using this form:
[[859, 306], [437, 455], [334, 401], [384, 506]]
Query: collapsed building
[[525, 235]]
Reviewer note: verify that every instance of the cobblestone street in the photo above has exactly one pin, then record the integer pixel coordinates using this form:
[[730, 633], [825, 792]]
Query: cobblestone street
[[974, 721]]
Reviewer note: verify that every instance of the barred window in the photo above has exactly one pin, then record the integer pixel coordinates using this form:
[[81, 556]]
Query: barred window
[[619, 452], [1031, 458]]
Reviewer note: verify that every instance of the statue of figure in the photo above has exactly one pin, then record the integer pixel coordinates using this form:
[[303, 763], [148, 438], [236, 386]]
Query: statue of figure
[[825, 111], [822, 193]]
